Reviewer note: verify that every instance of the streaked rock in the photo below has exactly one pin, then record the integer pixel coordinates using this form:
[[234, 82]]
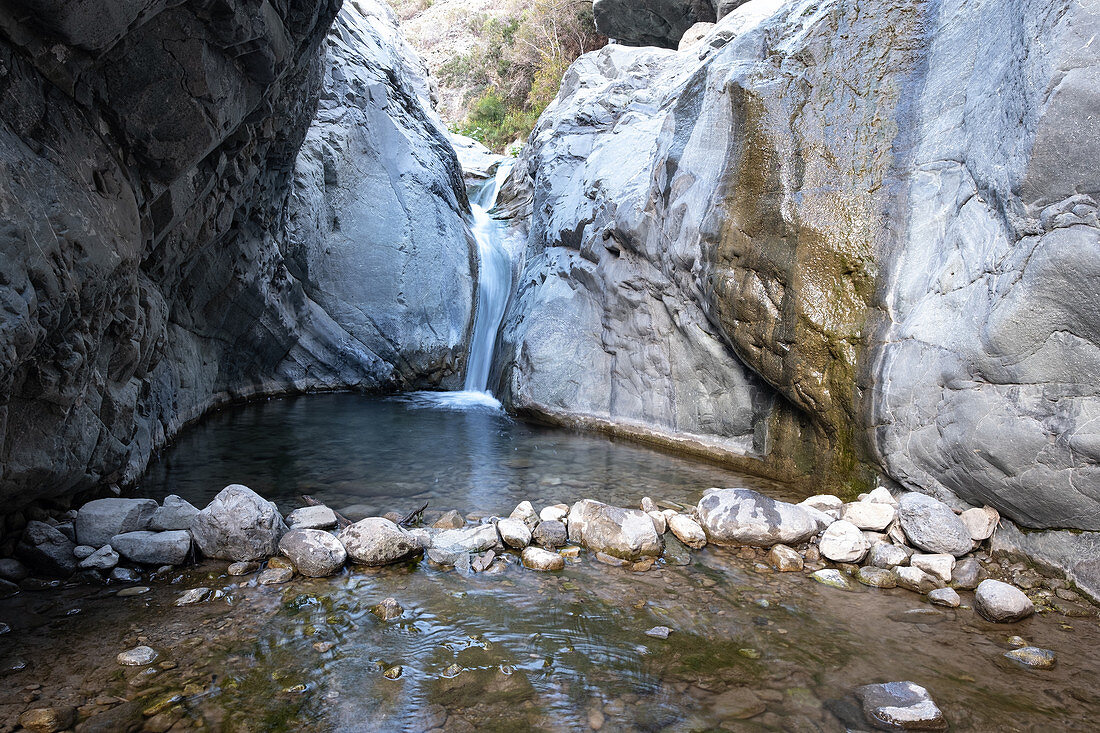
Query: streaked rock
[[746, 517]]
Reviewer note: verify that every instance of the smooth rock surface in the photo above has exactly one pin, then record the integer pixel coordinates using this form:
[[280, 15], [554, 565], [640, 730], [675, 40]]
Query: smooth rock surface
[[536, 558], [688, 531], [174, 513], [931, 525], [100, 520], [514, 533], [843, 542], [311, 517], [938, 566], [314, 552], [944, 597], [900, 706], [746, 517], [378, 541], [875, 516], [785, 559], [1002, 603], [238, 525], [1033, 657], [627, 534], [154, 548], [980, 522], [139, 656], [104, 558], [550, 534]]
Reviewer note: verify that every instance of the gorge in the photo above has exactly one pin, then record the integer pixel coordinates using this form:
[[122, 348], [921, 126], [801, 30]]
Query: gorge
[[806, 247]]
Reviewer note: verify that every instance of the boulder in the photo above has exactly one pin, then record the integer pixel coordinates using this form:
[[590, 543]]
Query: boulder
[[536, 558], [312, 517], [378, 541], [980, 522], [900, 706], [870, 515], [746, 517], [314, 552], [153, 548], [688, 531], [930, 524], [514, 533], [843, 542], [1002, 603], [100, 520], [174, 513], [627, 534], [46, 550], [550, 534], [238, 525]]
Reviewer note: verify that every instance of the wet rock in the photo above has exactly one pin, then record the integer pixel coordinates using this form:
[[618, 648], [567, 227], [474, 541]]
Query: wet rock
[[554, 513], [388, 609], [1001, 603], [826, 503], [833, 578], [676, 552], [931, 525], [628, 534], [139, 656], [312, 517], [314, 552], [450, 520], [12, 570], [238, 525], [125, 575], [550, 534], [124, 718], [46, 550], [242, 568], [745, 517], [944, 597], [450, 546], [1017, 641], [378, 541], [174, 513], [514, 533], [785, 559], [48, 720], [870, 515], [100, 520], [275, 576], [659, 632], [688, 531], [938, 566], [900, 706], [154, 548], [1033, 657], [916, 580], [967, 574], [536, 558], [739, 703], [887, 556], [843, 542], [877, 577], [525, 513], [481, 563], [980, 522], [105, 558], [193, 596]]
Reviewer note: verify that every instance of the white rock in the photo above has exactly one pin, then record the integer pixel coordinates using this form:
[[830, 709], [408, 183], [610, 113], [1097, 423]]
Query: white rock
[[514, 533], [915, 579], [938, 565], [554, 513], [1002, 603], [536, 558], [746, 517], [888, 556], [660, 521], [104, 558], [139, 656], [843, 542], [525, 513], [826, 503], [882, 495], [312, 517], [688, 531], [900, 706], [870, 515], [980, 522]]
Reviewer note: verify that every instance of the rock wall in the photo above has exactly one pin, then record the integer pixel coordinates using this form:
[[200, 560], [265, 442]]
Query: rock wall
[[147, 152], [864, 229]]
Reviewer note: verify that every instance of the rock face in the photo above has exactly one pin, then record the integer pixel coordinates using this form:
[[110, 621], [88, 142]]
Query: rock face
[[745, 517], [153, 265], [238, 525], [627, 534], [909, 288]]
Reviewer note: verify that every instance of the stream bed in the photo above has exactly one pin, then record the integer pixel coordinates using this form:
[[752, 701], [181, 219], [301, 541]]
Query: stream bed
[[511, 649]]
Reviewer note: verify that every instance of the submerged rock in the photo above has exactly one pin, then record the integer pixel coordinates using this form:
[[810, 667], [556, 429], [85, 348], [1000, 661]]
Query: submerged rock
[[378, 541], [877, 577], [834, 579], [1002, 603], [238, 525], [1032, 656], [746, 517], [900, 706], [627, 534], [388, 609], [314, 552], [659, 632], [139, 656], [48, 720], [154, 548], [931, 525]]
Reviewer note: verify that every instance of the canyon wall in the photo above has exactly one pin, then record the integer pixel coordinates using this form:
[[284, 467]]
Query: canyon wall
[[864, 230], [153, 262]]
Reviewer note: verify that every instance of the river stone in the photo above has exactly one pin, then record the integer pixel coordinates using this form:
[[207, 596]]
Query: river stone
[[931, 525], [153, 548], [275, 576], [193, 596], [980, 522], [869, 515], [627, 534], [967, 574], [536, 558], [944, 597], [550, 534], [659, 632], [877, 577], [314, 552], [676, 552], [938, 566], [900, 706], [785, 559], [317, 516], [238, 525], [46, 550], [104, 558], [915, 579], [843, 542], [525, 513], [1002, 603], [48, 720], [12, 570], [139, 656], [827, 503], [388, 609], [174, 513], [660, 521], [833, 578], [885, 555], [688, 531], [125, 575], [242, 568], [746, 517], [100, 520], [378, 541], [881, 495], [737, 703], [450, 520], [554, 513], [514, 533], [648, 505], [447, 546], [1032, 656]]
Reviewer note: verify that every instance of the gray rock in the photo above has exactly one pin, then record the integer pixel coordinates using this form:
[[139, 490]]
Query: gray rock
[[46, 550], [944, 597], [100, 520], [870, 515], [12, 570], [238, 525], [967, 574], [242, 568], [175, 513], [900, 706], [139, 656], [1002, 603], [688, 531], [450, 546], [939, 566], [785, 559], [916, 580], [125, 575], [627, 534], [885, 555], [275, 576], [659, 632], [525, 513], [193, 596], [314, 552], [105, 558], [536, 558], [931, 525], [311, 517], [660, 522], [877, 577], [378, 541], [1033, 657], [843, 542], [81, 552], [550, 534], [154, 548], [514, 533], [745, 517]]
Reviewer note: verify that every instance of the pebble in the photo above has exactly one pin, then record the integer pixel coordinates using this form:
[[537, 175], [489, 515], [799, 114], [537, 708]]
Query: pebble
[[392, 673], [388, 609], [1017, 641], [659, 632], [1033, 657], [139, 656], [945, 597], [323, 646]]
